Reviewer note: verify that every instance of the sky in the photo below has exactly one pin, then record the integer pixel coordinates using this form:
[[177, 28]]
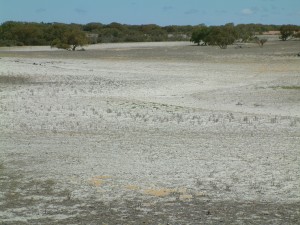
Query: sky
[[160, 12]]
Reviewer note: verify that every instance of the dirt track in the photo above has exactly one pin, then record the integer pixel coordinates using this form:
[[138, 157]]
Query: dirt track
[[153, 133]]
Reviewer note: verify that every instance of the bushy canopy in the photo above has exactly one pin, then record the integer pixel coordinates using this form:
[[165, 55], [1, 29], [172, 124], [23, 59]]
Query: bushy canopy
[[68, 37], [221, 36], [288, 31]]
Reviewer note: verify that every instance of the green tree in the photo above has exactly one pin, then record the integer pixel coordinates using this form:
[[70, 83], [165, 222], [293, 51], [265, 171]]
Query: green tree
[[222, 36], [287, 31], [153, 32], [200, 35], [93, 27], [245, 32], [69, 38], [19, 33]]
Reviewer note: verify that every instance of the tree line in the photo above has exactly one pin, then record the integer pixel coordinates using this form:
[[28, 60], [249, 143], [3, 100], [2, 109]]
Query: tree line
[[70, 36], [223, 36]]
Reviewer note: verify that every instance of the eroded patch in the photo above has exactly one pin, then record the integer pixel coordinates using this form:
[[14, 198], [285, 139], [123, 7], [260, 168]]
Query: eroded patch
[[159, 192], [132, 187], [98, 180]]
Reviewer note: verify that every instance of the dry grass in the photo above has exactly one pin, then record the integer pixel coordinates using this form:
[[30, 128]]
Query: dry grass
[[1, 167], [13, 79], [291, 87], [294, 87]]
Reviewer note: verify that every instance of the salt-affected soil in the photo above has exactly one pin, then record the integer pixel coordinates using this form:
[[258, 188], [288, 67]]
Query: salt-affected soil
[[150, 133]]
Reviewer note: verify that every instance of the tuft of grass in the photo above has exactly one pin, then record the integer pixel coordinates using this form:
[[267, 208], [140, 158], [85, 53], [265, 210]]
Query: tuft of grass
[[66, 193], [48, 186]]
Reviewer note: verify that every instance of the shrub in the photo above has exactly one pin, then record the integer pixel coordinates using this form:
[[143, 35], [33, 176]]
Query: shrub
[[200, 35], [221, 36], [260, 42], [287, 31], [70, 39]]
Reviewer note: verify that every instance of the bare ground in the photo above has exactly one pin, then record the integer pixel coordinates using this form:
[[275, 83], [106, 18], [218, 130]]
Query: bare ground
[[150, 133]]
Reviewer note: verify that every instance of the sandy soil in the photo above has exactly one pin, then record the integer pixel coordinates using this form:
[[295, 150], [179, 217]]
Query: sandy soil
[[150, 133]]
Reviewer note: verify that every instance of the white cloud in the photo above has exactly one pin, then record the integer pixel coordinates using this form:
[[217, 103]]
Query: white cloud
[[247, 11]]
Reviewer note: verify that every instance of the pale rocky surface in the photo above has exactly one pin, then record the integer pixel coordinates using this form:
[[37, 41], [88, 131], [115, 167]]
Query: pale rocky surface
[[150, 133]]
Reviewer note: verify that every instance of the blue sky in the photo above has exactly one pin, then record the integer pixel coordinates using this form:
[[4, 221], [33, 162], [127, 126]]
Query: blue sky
[[161, 12]]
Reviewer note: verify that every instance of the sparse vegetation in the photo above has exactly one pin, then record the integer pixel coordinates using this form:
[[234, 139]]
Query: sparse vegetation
[[13, 79], [287, 87], [228, 34], [70, 36], [291, 87], [189, 136], [260, 41]]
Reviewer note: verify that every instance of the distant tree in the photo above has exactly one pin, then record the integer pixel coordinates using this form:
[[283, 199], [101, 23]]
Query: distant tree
[[69, 38], [287, 31], [110, 34], [20, 33], [245, 32], [263, 41], [200, 35], [221, 36], [170, 29], [153, 32], [93, 27]]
